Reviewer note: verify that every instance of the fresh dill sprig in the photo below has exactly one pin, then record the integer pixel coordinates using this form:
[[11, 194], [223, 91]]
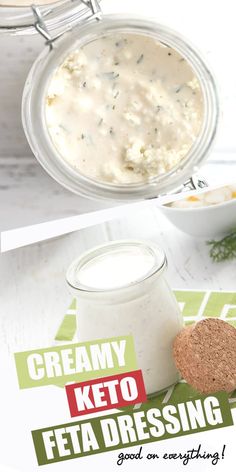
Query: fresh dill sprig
[[223, 249]]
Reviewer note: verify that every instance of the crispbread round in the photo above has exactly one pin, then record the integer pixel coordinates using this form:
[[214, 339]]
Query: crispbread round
[[205, 355]]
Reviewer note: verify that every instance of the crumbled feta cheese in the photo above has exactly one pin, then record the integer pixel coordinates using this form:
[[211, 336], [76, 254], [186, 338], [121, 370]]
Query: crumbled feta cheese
[[193, 84], [75, 61], [149, 160], [124, 108]]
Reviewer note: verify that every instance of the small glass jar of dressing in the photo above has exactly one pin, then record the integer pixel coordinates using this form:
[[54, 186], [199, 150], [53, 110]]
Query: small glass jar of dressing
[[122, 290], [70, 26]]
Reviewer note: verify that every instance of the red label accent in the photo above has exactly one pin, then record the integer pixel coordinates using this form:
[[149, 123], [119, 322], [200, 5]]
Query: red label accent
[[105, 393]]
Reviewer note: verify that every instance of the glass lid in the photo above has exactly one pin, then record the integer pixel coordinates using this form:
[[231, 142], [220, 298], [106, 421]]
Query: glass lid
[[24, 15]]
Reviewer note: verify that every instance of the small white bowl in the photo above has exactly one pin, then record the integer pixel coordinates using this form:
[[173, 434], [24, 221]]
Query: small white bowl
[[209, 222]]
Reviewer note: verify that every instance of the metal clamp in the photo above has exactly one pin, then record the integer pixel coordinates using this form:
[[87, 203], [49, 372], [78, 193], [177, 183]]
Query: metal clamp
[[94, 7], [40, 25], [42, 29], [195, 183]]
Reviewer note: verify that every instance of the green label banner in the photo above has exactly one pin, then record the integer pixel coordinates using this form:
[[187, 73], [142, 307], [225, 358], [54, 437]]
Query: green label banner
[[79, 362], [153, 422], [197, 305]]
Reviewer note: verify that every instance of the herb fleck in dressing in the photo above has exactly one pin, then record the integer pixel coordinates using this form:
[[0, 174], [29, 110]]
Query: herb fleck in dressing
[[124, 108]]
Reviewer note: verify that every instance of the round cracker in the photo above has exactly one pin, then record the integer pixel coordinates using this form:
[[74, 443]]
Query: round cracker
[[205, 355]]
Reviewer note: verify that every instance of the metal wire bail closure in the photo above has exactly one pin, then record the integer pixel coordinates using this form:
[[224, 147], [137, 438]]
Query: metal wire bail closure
[[94, 7], [195, 183], [42, 29]]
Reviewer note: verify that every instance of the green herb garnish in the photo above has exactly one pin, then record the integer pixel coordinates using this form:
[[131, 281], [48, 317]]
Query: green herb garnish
[[140, 59], [178, 89], [121, 43], [63, 128], [223, 249]]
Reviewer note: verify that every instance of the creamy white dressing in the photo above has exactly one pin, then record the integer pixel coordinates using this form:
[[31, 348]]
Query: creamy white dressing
[[113, 270], [124, 108], [147, 310]]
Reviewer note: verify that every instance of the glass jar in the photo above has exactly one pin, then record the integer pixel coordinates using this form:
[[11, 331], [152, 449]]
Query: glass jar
[[122, 290], [24, 16], [85, 29]]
